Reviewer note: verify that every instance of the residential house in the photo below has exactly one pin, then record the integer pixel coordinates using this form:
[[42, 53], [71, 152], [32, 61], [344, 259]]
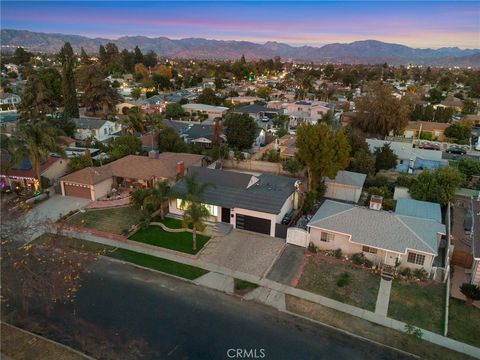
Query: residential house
[[287, 145], [201, 134], [409, 237], [452, 101], [12, 100], [248, 202], [243, 100], [308, 111], [257, 112], [347, 186], [415, 128], [101, 130], [131, 171], [211, 111], [22, 175]]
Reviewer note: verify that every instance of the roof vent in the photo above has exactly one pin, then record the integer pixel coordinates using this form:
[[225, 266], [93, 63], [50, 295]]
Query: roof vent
[[376, 202]]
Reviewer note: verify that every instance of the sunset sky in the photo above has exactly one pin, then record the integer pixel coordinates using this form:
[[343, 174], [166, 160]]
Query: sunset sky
[[417, 24]]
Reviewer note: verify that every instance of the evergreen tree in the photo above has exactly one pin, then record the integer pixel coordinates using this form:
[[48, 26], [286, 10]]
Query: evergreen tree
[[138, 55], [84, 58], [70, 104]]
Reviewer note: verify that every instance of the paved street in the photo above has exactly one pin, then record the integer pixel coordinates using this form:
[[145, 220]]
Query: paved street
[[184, 321], [287, 265]]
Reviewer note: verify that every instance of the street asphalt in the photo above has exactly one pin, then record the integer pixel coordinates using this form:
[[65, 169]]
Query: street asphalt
[[183, 321]]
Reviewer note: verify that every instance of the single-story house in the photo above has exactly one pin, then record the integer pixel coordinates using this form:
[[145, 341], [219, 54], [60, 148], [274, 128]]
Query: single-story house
[[201, 134], [130, 171], [101, 130], [414, 128], [346, 186], [22, 175], [287, 145], [9, 99], [211, 111], [409, 237], [249, 202], [238, 100], [257, 112]]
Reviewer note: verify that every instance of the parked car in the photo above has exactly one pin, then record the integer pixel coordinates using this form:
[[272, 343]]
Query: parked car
[[456, 151], [429, 147]]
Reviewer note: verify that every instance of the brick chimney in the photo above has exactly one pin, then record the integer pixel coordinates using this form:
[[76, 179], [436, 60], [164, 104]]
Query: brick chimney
[[180, 168]]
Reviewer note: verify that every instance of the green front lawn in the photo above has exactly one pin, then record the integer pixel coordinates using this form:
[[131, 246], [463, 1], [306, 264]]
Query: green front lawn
[[464, 323], [169, 222], [420, 304], [341, 281], [115, 220], [163, 265], [178, 241]]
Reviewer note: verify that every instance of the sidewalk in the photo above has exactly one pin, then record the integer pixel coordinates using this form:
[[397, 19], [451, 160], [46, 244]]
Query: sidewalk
[[273, 293], [383, 297]]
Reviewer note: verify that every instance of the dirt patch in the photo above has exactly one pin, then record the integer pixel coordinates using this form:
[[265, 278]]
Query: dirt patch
[[370, 330]]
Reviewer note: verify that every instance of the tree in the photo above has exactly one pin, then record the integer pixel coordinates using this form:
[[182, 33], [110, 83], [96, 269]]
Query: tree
[[385, 158], [138, 56], [125, 145], [219, 83], [136, 92], [162, 82], [174, 111], [157, 197], [363, 162], [240, 130], [428, 113], [469, 107], [328, 118], [21, 56], [63, 123], [79, 162], [471, 292], [97, 92], [293, 166], [437, 186], [84, 58], [379, 112], [264, 92], [194, 213], [322, 150], [169, 140], [69, 92], [37, 101], [208, 97], [435, 95], [134, 121], [39, 139], [458, 132], [141, 72], [52, 80], [469, 167]]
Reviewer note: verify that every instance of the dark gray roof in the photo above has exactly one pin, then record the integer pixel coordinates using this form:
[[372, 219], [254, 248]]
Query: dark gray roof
[[377, 228], [254, 109], [89, 123], [190, 131], [266, 193]]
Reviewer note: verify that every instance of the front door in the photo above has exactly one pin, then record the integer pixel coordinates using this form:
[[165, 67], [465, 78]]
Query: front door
[[226, 215], [390, 259]]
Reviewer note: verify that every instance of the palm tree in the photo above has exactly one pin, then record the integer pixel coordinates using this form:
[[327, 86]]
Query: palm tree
[[39, 139], [471, 292], [134, 121], [194, 212], [157, 197]]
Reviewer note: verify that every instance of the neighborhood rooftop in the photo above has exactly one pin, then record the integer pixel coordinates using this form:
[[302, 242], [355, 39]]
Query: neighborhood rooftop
[[381, 229], [265, 193]]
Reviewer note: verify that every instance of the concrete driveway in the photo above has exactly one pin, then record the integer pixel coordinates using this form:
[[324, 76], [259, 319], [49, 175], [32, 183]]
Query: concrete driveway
[[243, 251], [287, 265]]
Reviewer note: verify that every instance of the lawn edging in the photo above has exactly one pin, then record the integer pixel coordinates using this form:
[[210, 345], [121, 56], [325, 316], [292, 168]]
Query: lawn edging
[[166, 228]]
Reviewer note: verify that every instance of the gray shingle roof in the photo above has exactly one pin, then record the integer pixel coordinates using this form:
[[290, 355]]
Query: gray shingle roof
[[380, 229], [229, 189], [349, 178], [89, 123], [419, 209]]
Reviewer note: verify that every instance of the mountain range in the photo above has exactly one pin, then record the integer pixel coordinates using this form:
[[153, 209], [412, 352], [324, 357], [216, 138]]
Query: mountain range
[[366, 52]]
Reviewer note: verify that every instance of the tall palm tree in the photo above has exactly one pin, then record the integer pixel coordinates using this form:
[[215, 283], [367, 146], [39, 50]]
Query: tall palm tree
[[39, 139], [195, 212], [134, 121], [158, 196]]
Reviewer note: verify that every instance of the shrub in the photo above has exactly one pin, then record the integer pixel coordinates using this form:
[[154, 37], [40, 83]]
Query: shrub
[[312, 248], [309, 201], [420, 274], [389, 204], [344, 279], [407, 272], [338, 253], [471, 291], [414, 331], [368, 263], [45, 182], [242, 284], [358, 259]]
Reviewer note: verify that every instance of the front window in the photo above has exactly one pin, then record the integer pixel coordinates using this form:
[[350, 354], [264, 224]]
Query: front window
[[326, 237], [368, 249], [212, 209], [414, 258]]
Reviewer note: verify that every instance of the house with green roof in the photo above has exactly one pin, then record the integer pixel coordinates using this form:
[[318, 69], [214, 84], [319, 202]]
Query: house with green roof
[[409, 237]]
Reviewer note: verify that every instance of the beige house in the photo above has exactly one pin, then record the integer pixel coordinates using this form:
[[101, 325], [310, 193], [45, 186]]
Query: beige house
[[411, 237]]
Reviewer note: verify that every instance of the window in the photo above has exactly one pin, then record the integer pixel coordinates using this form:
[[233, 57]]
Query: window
[[105, 131], [414, 258], [368, 249], [212, 209], [326, 237]]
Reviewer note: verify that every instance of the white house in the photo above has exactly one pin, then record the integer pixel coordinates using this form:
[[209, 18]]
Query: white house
[[101, 130], [212, 111]]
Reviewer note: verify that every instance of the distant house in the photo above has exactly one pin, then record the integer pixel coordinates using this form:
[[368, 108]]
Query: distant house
[[257, 112], [452, 101], [211, 111], [201, 134], [414, 128], [287, 145], [305, 111], [129, 172], [410, 237], [9, 99], [248, 202], [245, 100], [101, 130], [346, 186]]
